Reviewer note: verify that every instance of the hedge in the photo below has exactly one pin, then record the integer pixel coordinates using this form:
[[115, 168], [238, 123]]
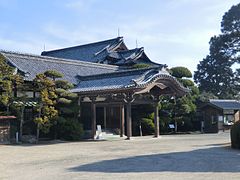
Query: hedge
[[235, 135]]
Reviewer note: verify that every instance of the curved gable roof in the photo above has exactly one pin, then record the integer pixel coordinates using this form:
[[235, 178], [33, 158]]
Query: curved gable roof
[[134, 80]]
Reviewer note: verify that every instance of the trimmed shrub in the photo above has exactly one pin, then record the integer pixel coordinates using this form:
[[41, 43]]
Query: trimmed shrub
[[141, 66], [147, 126], [70, 129], [235, 135]]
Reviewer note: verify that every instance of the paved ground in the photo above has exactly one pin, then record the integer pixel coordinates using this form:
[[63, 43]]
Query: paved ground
[[201, 156]]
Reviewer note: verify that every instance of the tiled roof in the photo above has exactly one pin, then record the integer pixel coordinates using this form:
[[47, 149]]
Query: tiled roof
[[132, 56], [122, 80], [225, 104], [93, 52], [101, 52], [31, 65]]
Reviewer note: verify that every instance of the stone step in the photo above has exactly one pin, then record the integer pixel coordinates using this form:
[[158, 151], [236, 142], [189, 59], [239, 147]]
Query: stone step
[[108, 135]]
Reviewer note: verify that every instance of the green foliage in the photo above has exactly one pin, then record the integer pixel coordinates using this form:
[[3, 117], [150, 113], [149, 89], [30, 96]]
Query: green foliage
[[63, 84], [6, 75], [205, 96], [215, 73], [9, 81], [147, 126], [231, 20], [180, 72], [64, 101], [140, 66], [235, 135], [44, 123], [46, 109], [67, 101], [5, 69], [60, 90], [53, 74], [66, 111], [150, 116], [6, 87], [164, 122], [70, 129], [194, 92], [56, 104], [66, 105], [180, 109], [187, 82]]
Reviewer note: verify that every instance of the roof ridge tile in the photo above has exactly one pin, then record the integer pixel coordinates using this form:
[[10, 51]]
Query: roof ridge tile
[[83, 45]]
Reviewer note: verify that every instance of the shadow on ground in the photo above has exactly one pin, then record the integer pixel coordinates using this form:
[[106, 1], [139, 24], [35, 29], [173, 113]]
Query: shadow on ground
[[214, 159]]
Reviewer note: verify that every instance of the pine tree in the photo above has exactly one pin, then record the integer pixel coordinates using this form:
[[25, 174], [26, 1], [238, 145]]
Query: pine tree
[[215, 73], [47, 100]]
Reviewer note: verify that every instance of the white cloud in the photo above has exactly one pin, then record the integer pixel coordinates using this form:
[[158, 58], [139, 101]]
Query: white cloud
[[175, 33], [163, 47]]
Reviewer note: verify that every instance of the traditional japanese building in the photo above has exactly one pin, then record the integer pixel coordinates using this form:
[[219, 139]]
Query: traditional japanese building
[[220, 114], [101, 82]]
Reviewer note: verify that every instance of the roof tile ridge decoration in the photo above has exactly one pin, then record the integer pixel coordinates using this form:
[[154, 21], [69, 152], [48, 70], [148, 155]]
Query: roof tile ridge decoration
[[134, 49], [138, 54], [103, 49], [83, 45], [128, 72], [113, 47], [59, 60], [110, 48], [155, 77], [142, 77]]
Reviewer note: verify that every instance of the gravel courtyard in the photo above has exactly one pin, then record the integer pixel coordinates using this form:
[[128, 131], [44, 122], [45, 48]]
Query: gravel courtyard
[[196, 156]]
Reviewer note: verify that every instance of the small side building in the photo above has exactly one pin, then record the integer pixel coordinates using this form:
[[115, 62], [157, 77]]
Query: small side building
[[219, 114]]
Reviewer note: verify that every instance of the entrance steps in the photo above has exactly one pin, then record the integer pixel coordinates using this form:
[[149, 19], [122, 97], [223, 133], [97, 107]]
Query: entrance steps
[[108, 135]]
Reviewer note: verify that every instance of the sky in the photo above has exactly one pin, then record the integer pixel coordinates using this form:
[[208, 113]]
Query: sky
[[172, 32]]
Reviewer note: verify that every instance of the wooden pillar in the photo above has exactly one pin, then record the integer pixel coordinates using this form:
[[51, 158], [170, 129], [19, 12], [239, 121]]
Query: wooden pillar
[[156, 97], [9, 131], [105, 117], [93, 111], [79, 104], [128, 99], [156, 120], [129, 121], [122, 127], [21, 123]]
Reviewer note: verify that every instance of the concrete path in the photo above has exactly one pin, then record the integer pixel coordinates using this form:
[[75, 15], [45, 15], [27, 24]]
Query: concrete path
[[197, 156]]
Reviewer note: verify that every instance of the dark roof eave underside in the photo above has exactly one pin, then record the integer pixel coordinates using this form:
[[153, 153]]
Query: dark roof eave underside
[[122, 90]]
